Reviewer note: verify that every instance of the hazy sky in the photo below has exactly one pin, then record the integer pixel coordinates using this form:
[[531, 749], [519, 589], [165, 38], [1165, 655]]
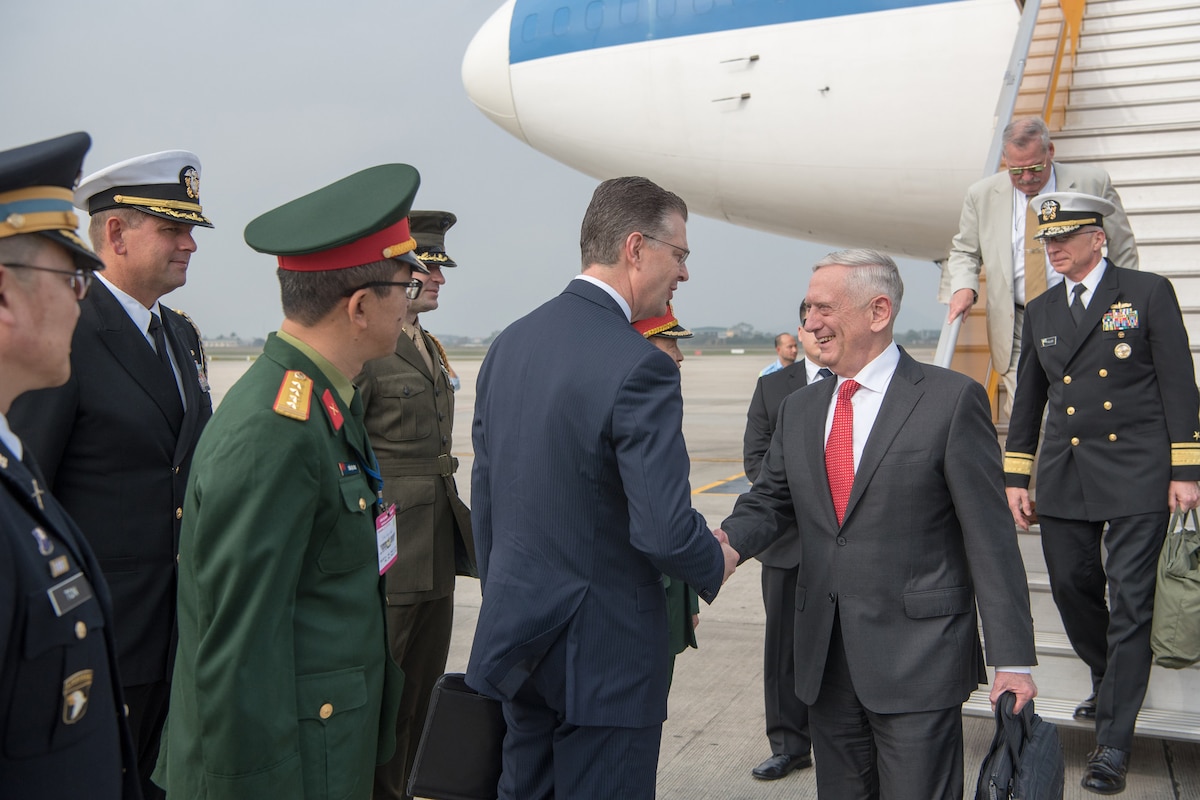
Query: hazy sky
[[280, 99]]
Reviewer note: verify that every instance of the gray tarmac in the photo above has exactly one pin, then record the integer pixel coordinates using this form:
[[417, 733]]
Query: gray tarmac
[[714, 734]]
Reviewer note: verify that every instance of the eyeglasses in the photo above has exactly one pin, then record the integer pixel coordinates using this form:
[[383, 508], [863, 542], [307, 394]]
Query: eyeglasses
[[1017, 171], [80, 280], [682, 259], [412, 289]]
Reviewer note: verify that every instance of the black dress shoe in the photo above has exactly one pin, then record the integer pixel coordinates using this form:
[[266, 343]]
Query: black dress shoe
[[1086, 709], [1105, 772], [776, 767]]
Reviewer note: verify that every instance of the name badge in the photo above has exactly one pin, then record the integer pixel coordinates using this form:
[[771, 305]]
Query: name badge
[[71, 593], [1050, 341], [385, 538]]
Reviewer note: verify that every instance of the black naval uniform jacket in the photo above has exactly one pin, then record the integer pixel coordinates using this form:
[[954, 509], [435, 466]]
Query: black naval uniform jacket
[[1123, 400], [64, 733], [116, 446]]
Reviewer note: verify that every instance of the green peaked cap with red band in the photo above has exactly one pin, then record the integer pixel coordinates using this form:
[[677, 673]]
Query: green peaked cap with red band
[[357, 220]]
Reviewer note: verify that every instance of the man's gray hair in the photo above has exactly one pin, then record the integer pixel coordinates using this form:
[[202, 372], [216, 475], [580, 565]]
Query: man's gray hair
[[871, 273], [1020, 133]]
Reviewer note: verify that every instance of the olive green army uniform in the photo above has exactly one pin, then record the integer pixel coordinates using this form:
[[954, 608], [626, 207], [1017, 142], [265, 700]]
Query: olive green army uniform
[[283, 685]]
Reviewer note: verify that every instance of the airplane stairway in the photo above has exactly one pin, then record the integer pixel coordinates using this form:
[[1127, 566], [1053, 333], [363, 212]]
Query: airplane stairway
[[1134, 109]]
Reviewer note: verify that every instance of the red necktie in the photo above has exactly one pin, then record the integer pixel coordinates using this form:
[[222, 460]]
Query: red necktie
[[839, 450]]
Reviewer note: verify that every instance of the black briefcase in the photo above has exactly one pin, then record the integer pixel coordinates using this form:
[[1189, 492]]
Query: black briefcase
[[1025, 761], [459, 754]]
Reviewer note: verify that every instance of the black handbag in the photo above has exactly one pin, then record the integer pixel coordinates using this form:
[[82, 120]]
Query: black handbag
[[1025, 761], [458, 757]]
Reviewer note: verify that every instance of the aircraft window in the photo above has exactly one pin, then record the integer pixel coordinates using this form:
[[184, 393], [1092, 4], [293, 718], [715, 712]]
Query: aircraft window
[[666, 9], [593, 15], [629, 11], [702, 6], [562, 21], [529, 28]]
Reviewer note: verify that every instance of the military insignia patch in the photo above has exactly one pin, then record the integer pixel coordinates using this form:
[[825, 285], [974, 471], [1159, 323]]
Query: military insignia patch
[[1049, 210], [45, 546], [191, 182], [1122, 350], [76, 691], [331, 410], [295, 395], [1120, 317], [59, 566]]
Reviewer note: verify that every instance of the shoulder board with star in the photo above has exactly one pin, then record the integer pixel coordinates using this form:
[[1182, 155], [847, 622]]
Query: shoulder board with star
[[295, 396]]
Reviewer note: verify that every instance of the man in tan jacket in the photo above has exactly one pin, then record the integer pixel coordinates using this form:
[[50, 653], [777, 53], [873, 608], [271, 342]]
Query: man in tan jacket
[[409, 407]]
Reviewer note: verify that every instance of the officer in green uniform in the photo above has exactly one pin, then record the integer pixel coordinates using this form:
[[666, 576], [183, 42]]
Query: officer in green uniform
[[409, 411], [683, 605], [283, 686], [62, 732]]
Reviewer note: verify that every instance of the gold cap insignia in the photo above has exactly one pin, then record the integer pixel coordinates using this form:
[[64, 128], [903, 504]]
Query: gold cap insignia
[[1049, 210], [191, 182]]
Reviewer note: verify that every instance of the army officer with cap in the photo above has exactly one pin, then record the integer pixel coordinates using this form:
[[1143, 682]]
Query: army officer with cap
[[409, 410], [283, 686], [1108, 353], [63, 733]]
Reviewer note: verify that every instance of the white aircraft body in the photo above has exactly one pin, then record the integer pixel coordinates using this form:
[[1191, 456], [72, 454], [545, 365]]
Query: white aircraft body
[[848, 122]]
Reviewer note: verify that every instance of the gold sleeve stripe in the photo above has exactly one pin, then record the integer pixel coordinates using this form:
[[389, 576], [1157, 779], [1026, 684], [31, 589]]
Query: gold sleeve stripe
[[1185, 455], [1018, 463]]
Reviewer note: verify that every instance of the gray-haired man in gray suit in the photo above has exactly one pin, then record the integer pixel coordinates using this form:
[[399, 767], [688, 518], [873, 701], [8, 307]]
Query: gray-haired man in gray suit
[[893, 475]]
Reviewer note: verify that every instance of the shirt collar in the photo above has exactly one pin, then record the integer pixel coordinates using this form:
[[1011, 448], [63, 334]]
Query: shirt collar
[[1090, 281], [138, 313], [10, 439], [611, 293], [810, 370], [877, 374], [341, 384]]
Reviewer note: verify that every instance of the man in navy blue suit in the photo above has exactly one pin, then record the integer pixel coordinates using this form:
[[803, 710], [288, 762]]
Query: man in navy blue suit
[[580, 504]]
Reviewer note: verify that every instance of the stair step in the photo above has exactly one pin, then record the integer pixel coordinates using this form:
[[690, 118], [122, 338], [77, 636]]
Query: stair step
[[1106, 8], [1141, 19], [1090, 57], [1175, 110], [1156, 722], [1139, 36], [1145, 70], [1143, 92]]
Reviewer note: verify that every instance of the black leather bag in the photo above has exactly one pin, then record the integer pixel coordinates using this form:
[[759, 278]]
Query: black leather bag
[[1025, 761], [458, 757]]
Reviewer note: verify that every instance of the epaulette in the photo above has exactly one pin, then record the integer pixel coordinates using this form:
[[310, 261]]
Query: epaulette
[[201, 357], [295, 395]]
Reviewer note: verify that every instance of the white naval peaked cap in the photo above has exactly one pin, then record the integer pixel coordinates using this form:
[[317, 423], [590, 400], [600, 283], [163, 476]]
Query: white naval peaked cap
[[164, 184]]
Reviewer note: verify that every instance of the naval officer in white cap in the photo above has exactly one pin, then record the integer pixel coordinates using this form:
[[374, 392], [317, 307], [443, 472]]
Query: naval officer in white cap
[[116, 440]]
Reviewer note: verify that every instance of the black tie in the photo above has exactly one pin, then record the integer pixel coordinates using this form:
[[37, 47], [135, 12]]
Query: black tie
[[160, 342], [824, 373], [1077, 308]]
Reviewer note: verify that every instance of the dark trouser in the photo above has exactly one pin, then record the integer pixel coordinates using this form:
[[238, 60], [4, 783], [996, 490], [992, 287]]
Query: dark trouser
[[862, 755], [1114, 639], [147, 714], [419, 637], [786, 715]]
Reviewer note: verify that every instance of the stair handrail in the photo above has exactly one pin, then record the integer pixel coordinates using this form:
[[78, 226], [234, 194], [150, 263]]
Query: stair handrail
[[948, 340], [1065, 48]]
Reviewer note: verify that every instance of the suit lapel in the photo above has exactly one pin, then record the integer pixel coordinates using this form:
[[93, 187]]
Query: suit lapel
[[407, 350], [901, 398], [134, 353], [189, 378], [1105, 295], [814, 445], [21, 476]]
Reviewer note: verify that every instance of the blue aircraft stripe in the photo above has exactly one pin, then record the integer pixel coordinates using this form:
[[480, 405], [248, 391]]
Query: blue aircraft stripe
[[542, 28]]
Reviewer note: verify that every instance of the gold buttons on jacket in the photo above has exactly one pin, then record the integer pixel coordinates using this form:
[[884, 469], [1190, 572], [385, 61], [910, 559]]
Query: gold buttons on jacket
[[362, 504], [1112, 437], [1070, 410], [1107, 405], [1103, 373], [1066, 378], [80, 630], [179, 513], [1074, 441], [326, 711]]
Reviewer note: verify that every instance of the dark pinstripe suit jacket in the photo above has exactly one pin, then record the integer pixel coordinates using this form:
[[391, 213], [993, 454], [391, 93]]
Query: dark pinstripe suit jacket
[[580, 501]]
